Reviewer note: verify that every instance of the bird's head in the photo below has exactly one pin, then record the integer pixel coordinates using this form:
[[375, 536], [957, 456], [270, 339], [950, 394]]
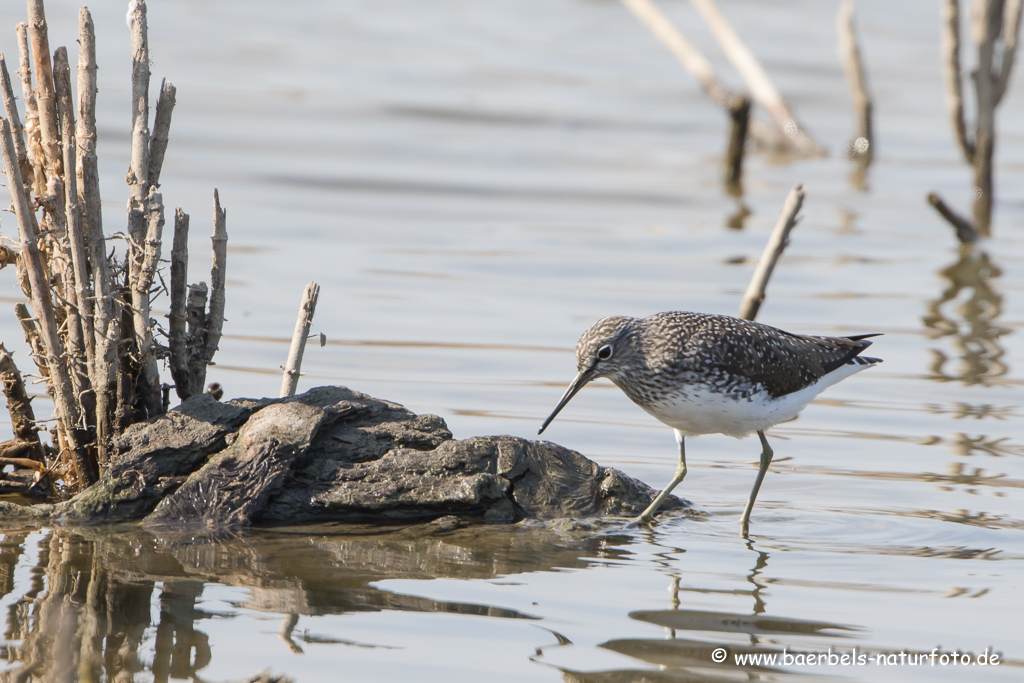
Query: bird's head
[[604, 350]]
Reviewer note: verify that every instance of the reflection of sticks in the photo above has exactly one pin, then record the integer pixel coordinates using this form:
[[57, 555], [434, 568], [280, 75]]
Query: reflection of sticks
[[965, 232], [288, 623], [754, 296], [302, 324], [862, 146], [762, 90]]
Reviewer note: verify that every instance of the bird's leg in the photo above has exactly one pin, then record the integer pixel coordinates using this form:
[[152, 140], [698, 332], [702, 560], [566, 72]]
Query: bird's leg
[[647, 514], [766, 459]]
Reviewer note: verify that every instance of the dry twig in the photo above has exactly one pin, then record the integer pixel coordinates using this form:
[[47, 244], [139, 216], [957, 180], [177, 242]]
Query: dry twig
[[64, 398], [762, 89], [298, 346], [862, 146], [754, 296]]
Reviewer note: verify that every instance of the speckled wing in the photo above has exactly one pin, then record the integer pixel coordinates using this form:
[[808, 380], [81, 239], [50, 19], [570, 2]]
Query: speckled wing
[[780, 361]]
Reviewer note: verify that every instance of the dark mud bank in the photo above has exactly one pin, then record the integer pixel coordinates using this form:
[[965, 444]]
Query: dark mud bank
[[332, 454]]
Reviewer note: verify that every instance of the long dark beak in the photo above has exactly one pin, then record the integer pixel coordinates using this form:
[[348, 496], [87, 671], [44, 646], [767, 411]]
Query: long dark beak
[[581, 380]]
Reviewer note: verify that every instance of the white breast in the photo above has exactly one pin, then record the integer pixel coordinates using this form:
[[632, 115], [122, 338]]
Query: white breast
[[695, 410]]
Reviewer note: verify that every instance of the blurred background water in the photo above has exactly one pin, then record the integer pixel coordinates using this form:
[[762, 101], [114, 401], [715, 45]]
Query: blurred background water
[[473, 185]]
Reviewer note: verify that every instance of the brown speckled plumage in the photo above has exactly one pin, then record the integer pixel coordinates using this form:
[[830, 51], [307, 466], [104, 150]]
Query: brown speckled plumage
[[712, 374], [666, 351]]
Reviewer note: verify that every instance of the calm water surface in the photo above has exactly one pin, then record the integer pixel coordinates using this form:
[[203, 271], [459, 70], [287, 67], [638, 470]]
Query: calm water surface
[[473, 185]]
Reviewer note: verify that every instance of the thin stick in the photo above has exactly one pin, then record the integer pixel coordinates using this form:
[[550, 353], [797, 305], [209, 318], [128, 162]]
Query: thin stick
[[176, 333], [1011, 31], [862, 146], [105, 310], [754, 296], [148, 388], [986, 27], [737, 106], [739, 114], [195, 314], [672, 38], [35, 150], [951, 69], [88, 172], [11, 108], [302, 325], [218, 280], [34, 340], [762, 90], [82, 288], [138, 171], [45, 98], [23, 419], [67, 407], [965, 232], [161, 129]]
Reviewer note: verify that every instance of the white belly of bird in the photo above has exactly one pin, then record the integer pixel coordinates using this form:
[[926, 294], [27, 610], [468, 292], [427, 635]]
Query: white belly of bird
[[695, 410]]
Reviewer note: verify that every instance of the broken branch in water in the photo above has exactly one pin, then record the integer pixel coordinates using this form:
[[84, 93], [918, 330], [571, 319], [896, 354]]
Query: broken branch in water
[[762, 89], [965, 232], [777, 242], [298, 346], [862, 147], [737, 106]]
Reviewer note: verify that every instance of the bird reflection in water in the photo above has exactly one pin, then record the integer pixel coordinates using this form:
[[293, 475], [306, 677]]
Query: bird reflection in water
[[697, 658]]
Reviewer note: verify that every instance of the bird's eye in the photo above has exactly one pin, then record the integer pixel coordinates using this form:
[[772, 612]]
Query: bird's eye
[[605, 352]]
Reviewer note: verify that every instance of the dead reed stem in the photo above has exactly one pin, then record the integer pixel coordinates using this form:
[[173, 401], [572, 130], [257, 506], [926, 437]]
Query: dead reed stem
[[218, 280], [34, 145], [298, 346], [92, 335], [64, 397], [177, 320], [46, 102], [23, 419], [739, 115], [161, 128], [777, 243], [737, 106]]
